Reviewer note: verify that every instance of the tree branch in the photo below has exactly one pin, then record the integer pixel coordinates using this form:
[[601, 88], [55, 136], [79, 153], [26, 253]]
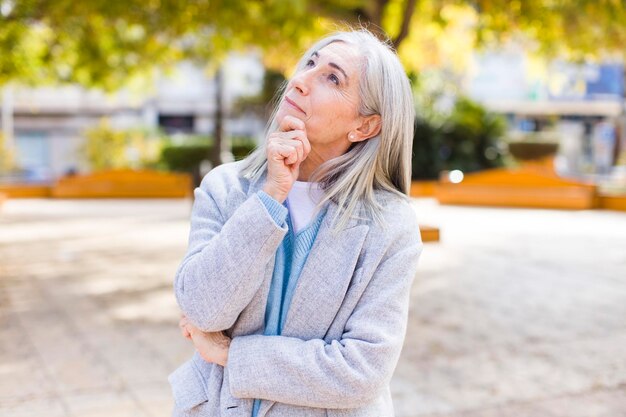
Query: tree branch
[[406, 23], [377, 13]]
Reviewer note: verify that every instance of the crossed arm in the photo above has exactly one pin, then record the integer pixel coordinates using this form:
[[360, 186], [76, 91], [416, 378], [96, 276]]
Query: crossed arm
[[344, 373]]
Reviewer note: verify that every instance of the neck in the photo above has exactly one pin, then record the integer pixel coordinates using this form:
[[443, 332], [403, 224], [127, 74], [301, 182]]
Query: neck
[[317, 157], [306, 169]]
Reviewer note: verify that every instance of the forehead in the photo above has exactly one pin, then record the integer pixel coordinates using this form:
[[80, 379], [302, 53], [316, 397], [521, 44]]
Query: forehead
[[345, 55]]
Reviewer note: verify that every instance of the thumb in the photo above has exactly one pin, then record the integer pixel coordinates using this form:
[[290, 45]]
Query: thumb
[[295, 169], [191, 330]]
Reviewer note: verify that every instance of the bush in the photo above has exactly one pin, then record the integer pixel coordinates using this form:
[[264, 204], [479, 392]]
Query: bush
[[426, 162], [467, 139], [242, 147], [108, 148], [7, 158], [188, 157], [184, 157]]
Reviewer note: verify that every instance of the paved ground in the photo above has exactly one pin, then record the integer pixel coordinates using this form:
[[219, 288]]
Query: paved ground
[[514, 313]]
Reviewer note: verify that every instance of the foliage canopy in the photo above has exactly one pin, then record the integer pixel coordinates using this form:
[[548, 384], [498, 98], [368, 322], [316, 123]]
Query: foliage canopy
[[105, 43]]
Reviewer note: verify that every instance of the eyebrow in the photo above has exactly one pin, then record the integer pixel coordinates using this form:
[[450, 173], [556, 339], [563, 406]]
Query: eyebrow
[[332, 64]]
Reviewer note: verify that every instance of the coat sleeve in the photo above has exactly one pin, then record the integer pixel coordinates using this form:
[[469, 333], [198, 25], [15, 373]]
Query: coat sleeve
[[344, 373], [226, 258]]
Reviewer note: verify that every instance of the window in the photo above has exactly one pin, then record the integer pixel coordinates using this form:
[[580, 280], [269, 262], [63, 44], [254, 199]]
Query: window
[[33, 155], [177, 124]]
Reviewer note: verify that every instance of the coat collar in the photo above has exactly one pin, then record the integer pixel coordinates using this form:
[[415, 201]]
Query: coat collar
[[333, 208]]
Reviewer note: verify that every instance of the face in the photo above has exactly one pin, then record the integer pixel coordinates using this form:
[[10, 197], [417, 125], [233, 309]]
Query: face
[[325, 95]]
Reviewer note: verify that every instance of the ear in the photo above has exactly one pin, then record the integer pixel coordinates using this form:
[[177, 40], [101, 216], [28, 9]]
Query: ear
[[369, 127]]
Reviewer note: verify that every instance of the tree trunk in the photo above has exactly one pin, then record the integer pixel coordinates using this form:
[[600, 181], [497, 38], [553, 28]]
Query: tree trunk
[[216, 149], [409, 9], [7, 117], [375, 17]]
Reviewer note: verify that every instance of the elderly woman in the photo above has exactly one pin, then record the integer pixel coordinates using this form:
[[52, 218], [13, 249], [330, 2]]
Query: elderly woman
[[295, 286]]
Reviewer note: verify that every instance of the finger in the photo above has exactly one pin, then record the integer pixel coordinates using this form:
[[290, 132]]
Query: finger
[[299, 135], [185, 333], [288, 135], [297, 146], [304, 145], [190, 329], [290, 123], [283, 152], [292, 157], [296, 139]]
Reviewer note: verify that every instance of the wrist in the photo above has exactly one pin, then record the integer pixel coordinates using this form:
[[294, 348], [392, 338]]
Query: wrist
[[275, 194], [225, 357], [223, 360]]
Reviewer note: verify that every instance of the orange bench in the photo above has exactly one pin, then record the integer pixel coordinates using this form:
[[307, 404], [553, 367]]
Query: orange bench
[[534, 184], [25, 190], [124, 184]]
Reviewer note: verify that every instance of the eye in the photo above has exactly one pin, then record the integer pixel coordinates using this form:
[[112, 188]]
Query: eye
[[334, 79], [309, 63]]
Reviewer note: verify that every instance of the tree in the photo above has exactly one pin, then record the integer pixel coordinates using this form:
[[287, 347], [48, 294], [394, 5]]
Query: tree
[[101, 43], [575, 28], [106, 43]]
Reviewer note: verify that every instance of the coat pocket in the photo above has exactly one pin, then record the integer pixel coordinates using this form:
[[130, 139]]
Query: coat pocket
[[188, 386]]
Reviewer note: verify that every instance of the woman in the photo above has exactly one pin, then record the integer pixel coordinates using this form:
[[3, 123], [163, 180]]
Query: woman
[[295, 286]]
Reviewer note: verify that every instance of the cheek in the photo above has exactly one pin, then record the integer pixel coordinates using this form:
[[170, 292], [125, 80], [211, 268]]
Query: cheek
[[332, 115], [327, 127]]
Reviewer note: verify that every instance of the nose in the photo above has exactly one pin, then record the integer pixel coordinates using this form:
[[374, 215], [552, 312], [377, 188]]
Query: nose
[[300, 82]]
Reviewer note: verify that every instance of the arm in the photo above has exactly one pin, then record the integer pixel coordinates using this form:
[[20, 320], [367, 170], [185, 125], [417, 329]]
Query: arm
[[226, 260], [344, 373]]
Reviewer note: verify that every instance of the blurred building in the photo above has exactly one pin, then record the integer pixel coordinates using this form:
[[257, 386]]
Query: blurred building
[[46, 126], [580, 104]]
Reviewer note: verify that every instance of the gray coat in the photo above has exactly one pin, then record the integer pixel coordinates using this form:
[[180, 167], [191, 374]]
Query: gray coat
[[345, 327]]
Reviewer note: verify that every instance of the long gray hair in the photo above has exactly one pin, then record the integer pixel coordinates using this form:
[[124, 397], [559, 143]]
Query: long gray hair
[[382, 162]]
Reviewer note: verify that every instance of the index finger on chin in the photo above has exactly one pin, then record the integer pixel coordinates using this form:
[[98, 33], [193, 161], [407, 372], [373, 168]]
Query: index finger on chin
[[290, 123]]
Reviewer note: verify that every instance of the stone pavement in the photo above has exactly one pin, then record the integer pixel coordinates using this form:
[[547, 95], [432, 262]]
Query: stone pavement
[[514, 313]]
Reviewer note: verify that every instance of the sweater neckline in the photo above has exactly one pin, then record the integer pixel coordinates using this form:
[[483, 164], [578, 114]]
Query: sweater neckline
[[304, 237]]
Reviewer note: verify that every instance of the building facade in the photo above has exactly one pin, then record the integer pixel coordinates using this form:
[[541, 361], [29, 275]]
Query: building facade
[[582, 105], [45, 126]]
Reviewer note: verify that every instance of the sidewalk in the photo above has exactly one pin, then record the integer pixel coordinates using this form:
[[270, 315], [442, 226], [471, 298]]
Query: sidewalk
[[514, 313]]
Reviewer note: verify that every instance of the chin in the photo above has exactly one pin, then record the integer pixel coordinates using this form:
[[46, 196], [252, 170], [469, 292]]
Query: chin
[[280, 114], [287, 110]]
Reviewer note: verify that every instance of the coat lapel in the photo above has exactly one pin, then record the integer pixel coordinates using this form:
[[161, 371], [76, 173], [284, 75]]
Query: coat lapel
[[324, 279], [323, 282]]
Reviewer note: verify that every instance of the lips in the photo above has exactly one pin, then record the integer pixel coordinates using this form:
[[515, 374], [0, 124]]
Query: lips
[[294, 105]]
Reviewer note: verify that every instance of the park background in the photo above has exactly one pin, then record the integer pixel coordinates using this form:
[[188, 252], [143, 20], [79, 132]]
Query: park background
[[113, 111]]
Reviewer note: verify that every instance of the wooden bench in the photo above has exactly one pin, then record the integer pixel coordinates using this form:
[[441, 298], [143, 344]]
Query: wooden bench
[[124, 184], [429, 234], [25, 190], [612, 202], [532, 185]]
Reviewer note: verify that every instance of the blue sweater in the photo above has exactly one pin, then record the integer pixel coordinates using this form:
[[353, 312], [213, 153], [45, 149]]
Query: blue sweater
[[290, 258]]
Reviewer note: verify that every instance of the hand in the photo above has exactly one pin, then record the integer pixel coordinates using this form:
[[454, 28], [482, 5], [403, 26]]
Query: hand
[[183, 330], [212, 346], [286, 149]]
